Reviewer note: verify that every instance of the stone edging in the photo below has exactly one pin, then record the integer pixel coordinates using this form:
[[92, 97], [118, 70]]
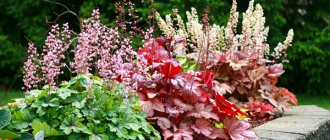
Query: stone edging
[[307, 122]]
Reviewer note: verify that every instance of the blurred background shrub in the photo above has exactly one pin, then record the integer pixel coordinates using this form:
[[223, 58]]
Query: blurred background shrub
[[307, 73]]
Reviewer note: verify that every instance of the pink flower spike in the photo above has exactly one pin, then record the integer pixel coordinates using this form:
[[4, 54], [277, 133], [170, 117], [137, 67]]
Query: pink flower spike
[[30, 77], [53, 53]]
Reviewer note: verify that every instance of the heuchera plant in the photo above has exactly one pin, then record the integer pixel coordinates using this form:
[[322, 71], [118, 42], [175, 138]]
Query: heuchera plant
[[244, 69], [186, 105], [83, 108]]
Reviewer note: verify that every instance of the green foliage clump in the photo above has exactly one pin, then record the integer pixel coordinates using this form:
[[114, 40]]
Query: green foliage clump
[[83, 108]]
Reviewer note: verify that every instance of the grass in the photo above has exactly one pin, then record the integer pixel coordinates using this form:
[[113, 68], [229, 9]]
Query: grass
[[6, 97], [319, 100]]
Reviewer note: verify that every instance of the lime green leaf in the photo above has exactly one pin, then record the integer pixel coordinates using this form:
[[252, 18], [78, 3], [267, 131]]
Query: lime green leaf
[[42, 126], [186, 65], [22, 115], [242, 117], [191, 67], [137, 106], [182, 60], [4, 134], [44, 92], [5, 117], [218, 125]]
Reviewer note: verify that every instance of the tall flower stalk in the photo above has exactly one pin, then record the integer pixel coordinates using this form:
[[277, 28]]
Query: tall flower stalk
[[30, 73], [53, 53], [88, 44]]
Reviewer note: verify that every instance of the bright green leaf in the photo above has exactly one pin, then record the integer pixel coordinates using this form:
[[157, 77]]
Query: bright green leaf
[[42, 126]]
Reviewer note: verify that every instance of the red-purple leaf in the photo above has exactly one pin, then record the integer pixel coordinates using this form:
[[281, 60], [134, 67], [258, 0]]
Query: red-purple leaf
[[275, 70], [174, 112], [158, 105], [256, 74], [202, 126], [170, 68], [178, 135], [154, 51], [202, 111], [222, 88], [183, 106], [147, 107], [238, 129], [226, 106], [289, 94], [238, 64], [206, 78], [164, 123], [218, 133]]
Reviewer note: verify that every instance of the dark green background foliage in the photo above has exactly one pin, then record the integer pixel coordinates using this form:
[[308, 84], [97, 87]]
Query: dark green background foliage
[[308, 71]]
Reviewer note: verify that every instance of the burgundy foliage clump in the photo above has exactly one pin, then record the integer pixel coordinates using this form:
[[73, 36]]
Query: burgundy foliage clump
[[186, 105]]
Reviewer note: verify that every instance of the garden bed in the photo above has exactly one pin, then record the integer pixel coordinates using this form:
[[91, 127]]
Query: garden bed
[[303, 122]]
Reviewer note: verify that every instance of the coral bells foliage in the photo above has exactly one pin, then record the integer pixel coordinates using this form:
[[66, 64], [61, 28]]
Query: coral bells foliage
[[244, 68], [185, 105], [259, 110]]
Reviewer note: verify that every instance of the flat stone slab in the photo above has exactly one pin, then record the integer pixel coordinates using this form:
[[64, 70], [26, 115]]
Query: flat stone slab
[[302, 122]]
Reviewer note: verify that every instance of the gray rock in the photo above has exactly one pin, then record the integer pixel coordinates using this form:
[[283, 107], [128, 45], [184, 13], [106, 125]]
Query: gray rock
[[274, 135], [302, 122]]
